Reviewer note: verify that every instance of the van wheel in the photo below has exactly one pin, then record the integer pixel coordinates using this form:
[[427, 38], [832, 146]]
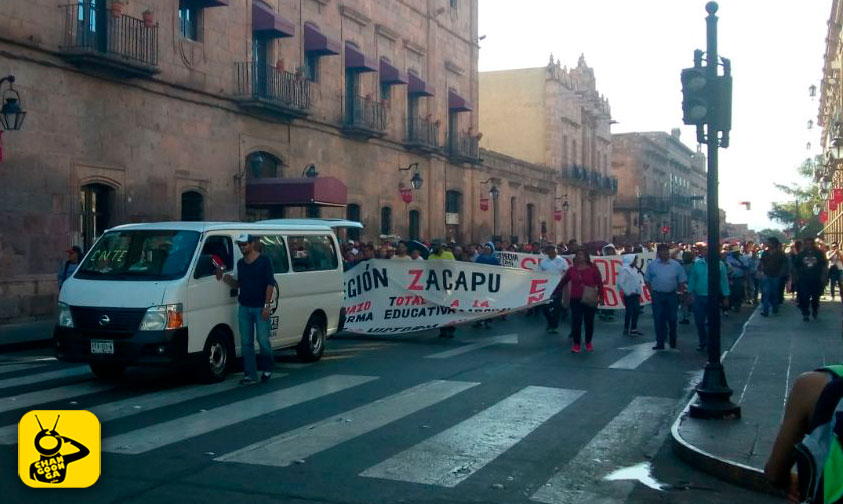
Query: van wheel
[[216, 357], [107, 371], [312, 343]]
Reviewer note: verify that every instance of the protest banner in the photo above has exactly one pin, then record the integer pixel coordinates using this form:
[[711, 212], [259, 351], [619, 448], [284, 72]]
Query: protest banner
[[609, 267], [389, 297]]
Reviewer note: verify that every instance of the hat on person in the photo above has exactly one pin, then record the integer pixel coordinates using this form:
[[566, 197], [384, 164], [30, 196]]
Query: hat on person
[[245, 238], [75, 248]]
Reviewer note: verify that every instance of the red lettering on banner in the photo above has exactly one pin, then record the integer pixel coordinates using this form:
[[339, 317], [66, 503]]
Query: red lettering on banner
[[610, 297], [528, 262], [537, 287], [414, 283], [480, 304], [647, 295], [360, 307], [455, 304]]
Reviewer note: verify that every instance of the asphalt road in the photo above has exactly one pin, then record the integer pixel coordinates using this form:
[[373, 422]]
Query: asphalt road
[[499, 415]]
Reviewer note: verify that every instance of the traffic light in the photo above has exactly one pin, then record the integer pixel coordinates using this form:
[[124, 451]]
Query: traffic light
[[697, 96]]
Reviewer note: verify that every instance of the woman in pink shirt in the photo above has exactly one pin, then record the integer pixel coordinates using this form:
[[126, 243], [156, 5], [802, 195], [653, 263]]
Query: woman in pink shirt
[[582, 275]]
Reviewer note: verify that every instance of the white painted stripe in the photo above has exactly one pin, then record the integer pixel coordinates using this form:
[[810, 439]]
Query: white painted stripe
[[19, 367], [42, 377], [50, 395], [640, 353], [455, 454], [301, 443], [180, 429], [134, 405], [511, 339], [635, 434]]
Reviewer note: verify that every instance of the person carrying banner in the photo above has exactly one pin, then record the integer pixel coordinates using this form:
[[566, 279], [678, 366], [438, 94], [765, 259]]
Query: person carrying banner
[[439, 253], [553, 310], [586, 295], [487, 257], [631, 289]]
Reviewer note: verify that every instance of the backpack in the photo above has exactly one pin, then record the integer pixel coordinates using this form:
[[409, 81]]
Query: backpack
[[819, 456]]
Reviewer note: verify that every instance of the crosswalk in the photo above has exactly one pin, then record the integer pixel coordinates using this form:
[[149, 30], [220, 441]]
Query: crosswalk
[[448, 456]]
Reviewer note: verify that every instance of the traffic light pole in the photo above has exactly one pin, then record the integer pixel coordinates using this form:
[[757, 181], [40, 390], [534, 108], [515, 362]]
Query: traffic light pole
[[714, 393]]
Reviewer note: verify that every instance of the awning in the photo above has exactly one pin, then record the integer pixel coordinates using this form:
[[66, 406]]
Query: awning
[[390, 74], [269, 23], [356, 60], [204, 4], [416, 86], [315, 42], [325, 191], [457, 102]]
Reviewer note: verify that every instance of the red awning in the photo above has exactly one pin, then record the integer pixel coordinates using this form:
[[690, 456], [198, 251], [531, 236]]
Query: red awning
[[269, 23], [325, 191], [390, 74], [356, 60], [457, 102], [416, 86], [316, 42]]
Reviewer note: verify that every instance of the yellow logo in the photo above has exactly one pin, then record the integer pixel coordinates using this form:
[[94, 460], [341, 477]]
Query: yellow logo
[[59, 449]]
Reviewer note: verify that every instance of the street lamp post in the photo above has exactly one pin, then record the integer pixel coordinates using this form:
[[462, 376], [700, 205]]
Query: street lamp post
[[494, 193], [416, 182]]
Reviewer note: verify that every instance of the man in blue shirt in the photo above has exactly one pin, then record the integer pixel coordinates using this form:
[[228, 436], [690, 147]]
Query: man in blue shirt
[[698, 293], [664, 277]]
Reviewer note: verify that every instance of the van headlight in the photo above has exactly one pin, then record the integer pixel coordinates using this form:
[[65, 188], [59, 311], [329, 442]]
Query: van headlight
[[160, 318], [65, 317]]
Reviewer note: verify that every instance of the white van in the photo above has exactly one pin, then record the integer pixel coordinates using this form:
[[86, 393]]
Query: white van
[[146, 294]]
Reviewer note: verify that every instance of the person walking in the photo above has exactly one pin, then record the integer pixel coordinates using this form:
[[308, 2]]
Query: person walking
[[811, 276], [835, 269], [254, 277], [586, 296], [698, 294], [740, 268], [553, 310], [664, 277], [439, 253], [773, 267], [685, 304], [631, 290], [74, 256]]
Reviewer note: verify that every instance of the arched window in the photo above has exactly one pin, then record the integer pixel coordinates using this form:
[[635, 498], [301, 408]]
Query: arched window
[[453, 202], [262, 165], [415, 225], [386, 221], [96, 203], [352, 213], [192, 206]]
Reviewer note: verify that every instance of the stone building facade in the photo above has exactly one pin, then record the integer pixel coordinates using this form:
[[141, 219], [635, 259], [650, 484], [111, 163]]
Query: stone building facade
[[662, 188], [555, 118], [225, 110], [830, 117]]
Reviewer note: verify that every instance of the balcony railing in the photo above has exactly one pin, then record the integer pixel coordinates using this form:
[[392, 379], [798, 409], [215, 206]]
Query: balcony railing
[[278, 91], [422, 135], [364, 118], [92, 35], [655, 203], [463, 148]]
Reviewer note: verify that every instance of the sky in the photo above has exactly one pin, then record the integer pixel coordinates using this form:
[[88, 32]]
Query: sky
[[637, 49]]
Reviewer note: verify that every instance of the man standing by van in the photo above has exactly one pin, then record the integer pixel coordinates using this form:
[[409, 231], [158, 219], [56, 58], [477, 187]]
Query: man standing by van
[[256, 282]]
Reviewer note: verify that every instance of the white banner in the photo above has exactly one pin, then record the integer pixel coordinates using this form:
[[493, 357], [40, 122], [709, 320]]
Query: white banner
[[389, 297], [609, 267]]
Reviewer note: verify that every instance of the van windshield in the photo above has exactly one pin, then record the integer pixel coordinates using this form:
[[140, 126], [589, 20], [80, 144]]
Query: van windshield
[[140, 255]]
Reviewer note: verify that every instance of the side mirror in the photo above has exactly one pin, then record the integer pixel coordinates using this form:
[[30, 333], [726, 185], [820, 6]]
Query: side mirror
[[204, 267]]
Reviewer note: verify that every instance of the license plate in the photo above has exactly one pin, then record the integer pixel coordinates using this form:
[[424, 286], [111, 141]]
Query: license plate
[[102, 347]]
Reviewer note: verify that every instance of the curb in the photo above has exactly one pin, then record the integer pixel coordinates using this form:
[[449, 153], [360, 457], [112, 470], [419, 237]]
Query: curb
[[728, 470]]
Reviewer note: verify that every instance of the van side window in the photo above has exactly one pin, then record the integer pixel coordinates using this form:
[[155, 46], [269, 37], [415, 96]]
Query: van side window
[[273, 247], [216, 252], [313, 253]]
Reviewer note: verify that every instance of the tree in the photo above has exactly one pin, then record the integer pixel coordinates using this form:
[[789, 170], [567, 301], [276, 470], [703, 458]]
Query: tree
[[808, 225], [772, 233]]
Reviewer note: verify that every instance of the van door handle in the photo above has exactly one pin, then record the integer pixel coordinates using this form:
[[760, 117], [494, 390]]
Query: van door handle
[[232, 293]]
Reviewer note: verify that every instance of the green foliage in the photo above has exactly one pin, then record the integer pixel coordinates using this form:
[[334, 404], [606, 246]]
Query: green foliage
[[772, 233], [808, 195]]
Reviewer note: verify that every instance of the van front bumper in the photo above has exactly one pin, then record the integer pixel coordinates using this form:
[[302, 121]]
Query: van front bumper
[[155, 348]]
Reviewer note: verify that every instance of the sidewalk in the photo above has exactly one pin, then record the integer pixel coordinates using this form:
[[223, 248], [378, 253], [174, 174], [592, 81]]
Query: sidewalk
[[26, 333], [761, 367]]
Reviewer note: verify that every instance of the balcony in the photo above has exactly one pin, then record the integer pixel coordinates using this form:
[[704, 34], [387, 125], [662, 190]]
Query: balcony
[[463, 149], [364, 118], [122, 44], [655, 203], [265, 89], [422, 135]]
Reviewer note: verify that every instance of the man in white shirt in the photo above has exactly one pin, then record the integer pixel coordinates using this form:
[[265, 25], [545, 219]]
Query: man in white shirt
[[553, 310]]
